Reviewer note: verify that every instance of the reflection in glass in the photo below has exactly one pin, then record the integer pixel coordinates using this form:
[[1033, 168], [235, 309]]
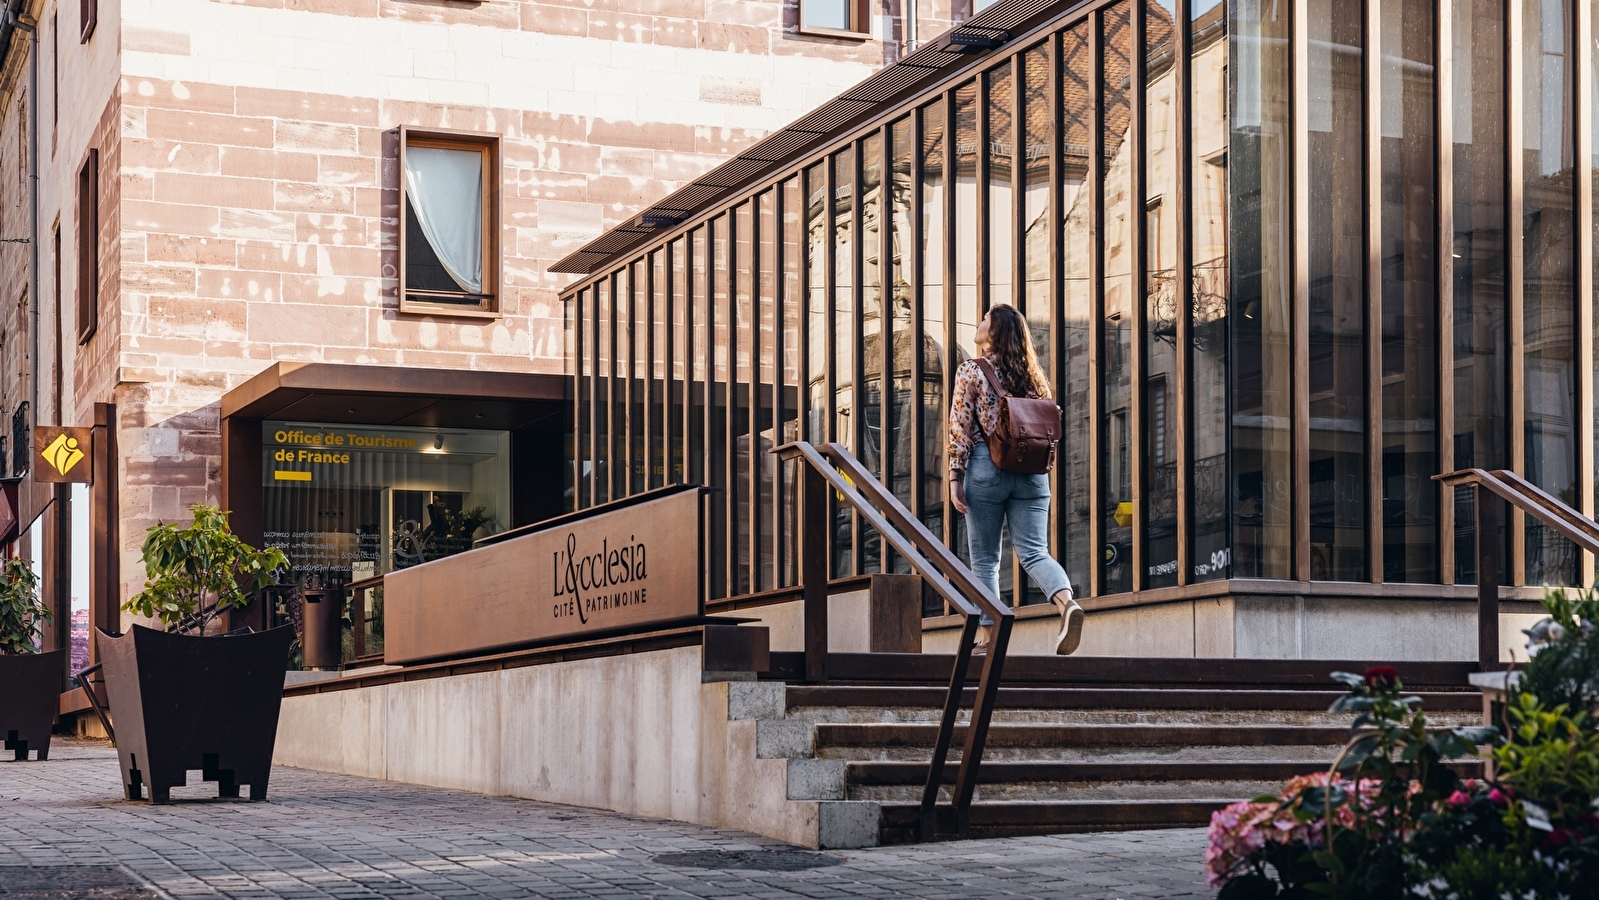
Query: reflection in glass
[[934, 322], [1259, 228], [1036, 259], [967, 312], [1208, 192], [1547, 284], [844, 336], [791, 305], [741, 396], [677, 397], [816, 331], [583, 334], [699, 356], [1073, 504], [1479, 264], [1117, 286], [1409, 295], [602, 391], [764, 421], [899, 444], [660, 311], [1161, 307], [718, 397], [869, 430], [1337, 291], [1000, 96], [638, 375]]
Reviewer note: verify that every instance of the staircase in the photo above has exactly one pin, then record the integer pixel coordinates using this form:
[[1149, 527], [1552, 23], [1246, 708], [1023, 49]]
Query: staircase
[[1075, 744]]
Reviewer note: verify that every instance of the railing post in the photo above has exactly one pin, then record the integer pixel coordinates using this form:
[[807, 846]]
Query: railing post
[[813, 573], [1487, 579]]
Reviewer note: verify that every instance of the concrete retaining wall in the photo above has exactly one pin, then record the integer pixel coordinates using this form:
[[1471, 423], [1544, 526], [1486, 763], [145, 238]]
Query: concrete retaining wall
[[638, 733]]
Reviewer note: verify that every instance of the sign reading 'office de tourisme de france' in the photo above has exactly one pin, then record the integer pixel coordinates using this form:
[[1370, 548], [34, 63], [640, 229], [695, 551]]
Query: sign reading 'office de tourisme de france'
[[633, 566]]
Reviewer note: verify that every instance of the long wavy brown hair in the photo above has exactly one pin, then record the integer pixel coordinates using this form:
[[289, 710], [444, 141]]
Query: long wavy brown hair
[[1011, 342]]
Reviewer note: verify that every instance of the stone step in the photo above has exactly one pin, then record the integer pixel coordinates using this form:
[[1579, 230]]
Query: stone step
[[1007, 735], [1097, 698], [901, 821], [1100, 716], [902, 782]]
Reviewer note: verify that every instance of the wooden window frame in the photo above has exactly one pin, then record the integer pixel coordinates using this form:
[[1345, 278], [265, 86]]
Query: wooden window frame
[[859, 16], [88, 246], [488, 301]]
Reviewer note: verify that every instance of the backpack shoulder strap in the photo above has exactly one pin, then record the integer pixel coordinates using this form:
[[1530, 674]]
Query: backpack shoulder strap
[[993, 377]]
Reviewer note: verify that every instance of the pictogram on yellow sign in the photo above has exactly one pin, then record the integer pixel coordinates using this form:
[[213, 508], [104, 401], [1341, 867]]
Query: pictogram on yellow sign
[[63, 454]]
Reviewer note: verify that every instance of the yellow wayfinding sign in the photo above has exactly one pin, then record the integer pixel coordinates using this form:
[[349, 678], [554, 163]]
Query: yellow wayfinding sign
[[63, 454]]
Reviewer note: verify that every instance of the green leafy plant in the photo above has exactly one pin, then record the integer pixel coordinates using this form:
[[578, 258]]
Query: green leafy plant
[[21, 610], [194, 574]]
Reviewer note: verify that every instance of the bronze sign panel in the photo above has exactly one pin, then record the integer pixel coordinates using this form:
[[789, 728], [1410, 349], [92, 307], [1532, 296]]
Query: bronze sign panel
[[62, 455], [635, 566]]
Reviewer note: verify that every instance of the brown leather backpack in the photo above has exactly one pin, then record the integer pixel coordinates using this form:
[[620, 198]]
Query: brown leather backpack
[[1029, 429]]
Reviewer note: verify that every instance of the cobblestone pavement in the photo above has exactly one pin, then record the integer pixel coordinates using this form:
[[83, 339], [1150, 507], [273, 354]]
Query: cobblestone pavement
[[336, 836]]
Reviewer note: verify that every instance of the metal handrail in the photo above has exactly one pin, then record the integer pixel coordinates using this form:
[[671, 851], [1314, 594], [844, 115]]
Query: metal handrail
[[833, 467], [1530, 499]]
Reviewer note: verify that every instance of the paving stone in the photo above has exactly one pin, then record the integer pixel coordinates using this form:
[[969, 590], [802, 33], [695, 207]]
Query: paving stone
[[323, 836]]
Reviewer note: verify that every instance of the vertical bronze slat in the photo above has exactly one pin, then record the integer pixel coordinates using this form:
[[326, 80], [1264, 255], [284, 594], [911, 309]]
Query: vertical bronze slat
[[780, 300], [730, 417], [950, 331], [1017, 261], [1182, 39], [1583, 234], [1299, 62], [689, 277], [802, 388], [885, 325], [668, 366], [816, 564], [708, 444], [1374, 437], [752, 516], [579, 354], [917, 280], [1018, 183], [980, 186], [1488, 513], [1444, 126], [1056, 70], [594, 395], [1514, 300], [611, 455], [1096, 337], [830, 324], [648, 426], [1140, 319], [628, 369]]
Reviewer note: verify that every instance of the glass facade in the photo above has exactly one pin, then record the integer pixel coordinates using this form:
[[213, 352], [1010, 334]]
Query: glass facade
[[346, 502], [1283, 263]]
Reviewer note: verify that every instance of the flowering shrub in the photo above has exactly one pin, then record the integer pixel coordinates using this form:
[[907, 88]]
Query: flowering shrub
[[1391, 820]]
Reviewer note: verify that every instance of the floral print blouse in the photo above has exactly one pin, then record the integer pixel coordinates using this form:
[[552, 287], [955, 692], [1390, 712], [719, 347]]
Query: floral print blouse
[[973, 397]]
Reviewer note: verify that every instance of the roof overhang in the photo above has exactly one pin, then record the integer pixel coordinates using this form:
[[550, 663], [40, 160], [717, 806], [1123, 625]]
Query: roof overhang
[[401, 396], [964, 47]]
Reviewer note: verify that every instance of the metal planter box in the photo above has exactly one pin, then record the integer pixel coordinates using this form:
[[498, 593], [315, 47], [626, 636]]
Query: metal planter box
[[30, 695], [181, 703]]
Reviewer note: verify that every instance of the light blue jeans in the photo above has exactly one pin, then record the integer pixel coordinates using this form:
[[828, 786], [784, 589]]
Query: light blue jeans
[[992, 498]]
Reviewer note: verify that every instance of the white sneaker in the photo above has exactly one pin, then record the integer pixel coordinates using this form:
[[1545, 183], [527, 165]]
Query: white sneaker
[[1071, 626]]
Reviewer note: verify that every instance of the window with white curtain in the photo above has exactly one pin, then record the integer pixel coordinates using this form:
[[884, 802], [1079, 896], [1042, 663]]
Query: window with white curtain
[[449, 222]]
